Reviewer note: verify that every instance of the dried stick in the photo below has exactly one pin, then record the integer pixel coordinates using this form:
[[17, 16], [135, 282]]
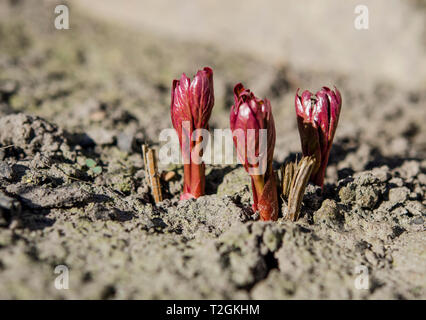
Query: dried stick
[[287, 174], [152, 176], [298, 186], [295, 176]]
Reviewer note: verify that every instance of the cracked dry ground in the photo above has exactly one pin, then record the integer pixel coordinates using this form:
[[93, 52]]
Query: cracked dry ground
[[55, 209]]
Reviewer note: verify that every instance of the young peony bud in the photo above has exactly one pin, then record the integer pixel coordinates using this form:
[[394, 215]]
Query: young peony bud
[[191, 106], [317, 118], [253, 130]]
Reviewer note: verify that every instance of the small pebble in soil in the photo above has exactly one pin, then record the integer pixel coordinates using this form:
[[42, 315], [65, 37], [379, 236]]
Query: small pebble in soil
[[329, 214], [398, 195]]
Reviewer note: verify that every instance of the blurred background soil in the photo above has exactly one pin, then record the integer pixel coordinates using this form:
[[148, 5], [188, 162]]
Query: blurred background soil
[[76, 105]]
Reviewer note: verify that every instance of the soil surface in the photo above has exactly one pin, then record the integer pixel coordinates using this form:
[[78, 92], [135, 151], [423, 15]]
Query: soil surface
[[76, 106]]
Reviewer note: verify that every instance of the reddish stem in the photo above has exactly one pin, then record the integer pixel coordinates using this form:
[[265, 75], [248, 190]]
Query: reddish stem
[[319, 176], [194, 175], [265, 199]]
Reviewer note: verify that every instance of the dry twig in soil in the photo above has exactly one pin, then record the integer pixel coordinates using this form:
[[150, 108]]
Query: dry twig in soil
[[151, 173], [295, 177]]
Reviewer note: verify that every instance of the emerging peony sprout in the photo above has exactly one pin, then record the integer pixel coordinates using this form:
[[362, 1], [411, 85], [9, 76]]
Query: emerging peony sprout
[[253, 128], [317, 118], [191, 107]]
